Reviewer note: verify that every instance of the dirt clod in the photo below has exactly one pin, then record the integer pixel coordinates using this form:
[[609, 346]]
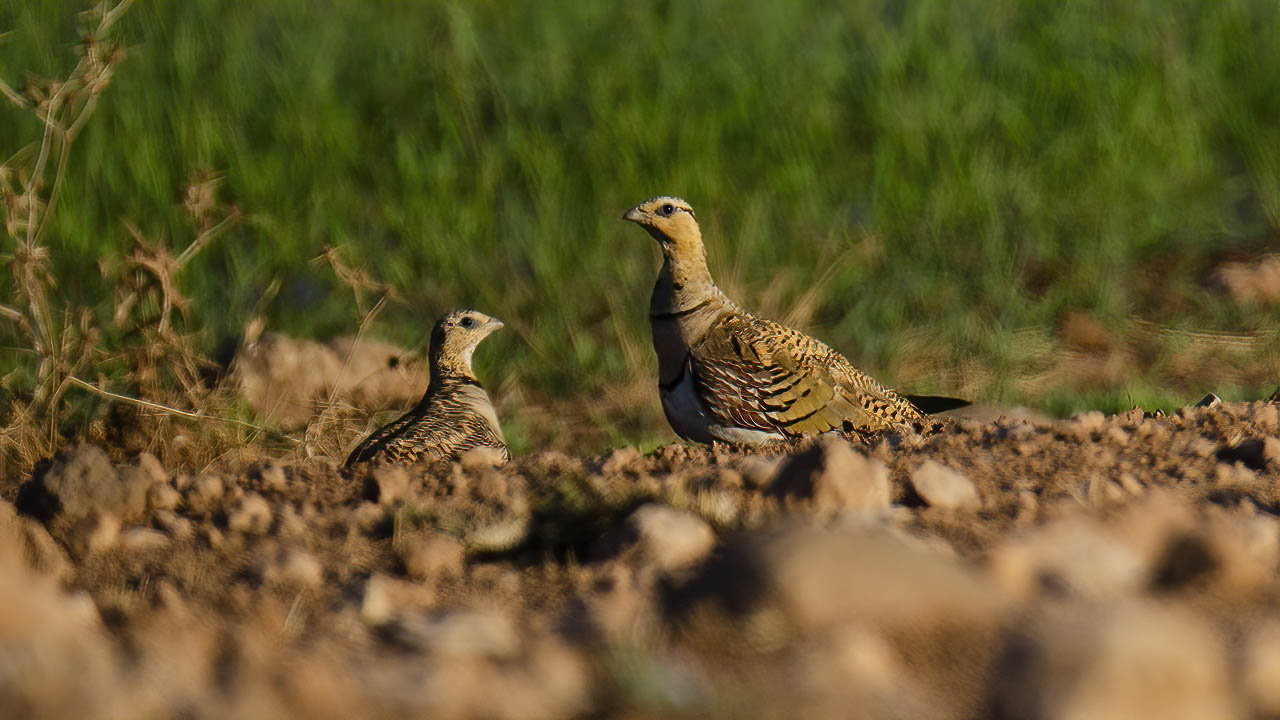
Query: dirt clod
[[79, 482], [942, 487], [671, 539], [832, 478]]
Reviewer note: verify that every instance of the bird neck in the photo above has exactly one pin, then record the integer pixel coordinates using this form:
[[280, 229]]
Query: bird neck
[[684, 280], [450, 369]]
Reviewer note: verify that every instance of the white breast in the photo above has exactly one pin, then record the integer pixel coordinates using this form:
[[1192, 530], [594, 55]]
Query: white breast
[[690, 419]]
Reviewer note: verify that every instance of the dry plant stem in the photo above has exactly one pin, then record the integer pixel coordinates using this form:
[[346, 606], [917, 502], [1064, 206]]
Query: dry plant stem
[[170, 410], [64, 115], [346, 363]]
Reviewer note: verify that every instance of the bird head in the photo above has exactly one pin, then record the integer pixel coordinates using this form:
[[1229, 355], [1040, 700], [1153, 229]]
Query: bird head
[[455, 337], [671, 222]]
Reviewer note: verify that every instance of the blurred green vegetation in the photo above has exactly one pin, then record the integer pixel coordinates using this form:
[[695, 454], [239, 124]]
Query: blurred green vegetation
[[929, 183]]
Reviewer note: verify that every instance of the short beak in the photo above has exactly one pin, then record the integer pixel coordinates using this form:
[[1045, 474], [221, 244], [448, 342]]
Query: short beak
[[496, 324], [634, 215]]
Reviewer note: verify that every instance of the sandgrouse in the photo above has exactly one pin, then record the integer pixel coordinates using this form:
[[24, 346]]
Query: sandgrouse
[[725, 375], [455, 414]]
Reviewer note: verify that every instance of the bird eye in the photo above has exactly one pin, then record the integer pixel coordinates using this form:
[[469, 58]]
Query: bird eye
[[666, 210], [467, 322]]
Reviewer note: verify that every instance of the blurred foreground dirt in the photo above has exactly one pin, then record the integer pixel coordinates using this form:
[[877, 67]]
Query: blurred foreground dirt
[[1101, 567]]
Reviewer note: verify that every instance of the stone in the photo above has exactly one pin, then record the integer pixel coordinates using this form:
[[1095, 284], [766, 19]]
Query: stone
[[942, 487], [881, 580], [1073, 555], [1130, 660], [294, 568], [670, 539], [499, 535], [431, 556], [758, 472], [367, 516], [487, 632], [163, 496], [94, 534], [139, 539], [387, 484], [78, 482], [149, 464], [1089, 422], [1261, 671], [273, 478], [482, 457], [831, 479], [252, 516], [25, 541], [619, 460], [385, 598], [204, 493]]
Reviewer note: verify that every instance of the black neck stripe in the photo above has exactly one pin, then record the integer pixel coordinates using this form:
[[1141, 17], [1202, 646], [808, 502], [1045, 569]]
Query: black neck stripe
[[679, 313]]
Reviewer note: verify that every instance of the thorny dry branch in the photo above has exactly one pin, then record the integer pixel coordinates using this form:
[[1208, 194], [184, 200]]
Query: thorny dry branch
[[162, 366]]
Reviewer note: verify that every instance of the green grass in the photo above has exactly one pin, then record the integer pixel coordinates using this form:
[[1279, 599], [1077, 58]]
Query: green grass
[[961, 170]]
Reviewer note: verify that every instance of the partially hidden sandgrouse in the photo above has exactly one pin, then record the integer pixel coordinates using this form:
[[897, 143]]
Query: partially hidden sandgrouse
[[725, 375], [455, 414]]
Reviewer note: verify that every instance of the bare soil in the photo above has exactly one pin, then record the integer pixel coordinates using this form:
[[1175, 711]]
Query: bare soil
[[1099, 567]]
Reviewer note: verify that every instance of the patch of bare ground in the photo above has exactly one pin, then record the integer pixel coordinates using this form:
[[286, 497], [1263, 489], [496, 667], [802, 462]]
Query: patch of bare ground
[[1099, 567]]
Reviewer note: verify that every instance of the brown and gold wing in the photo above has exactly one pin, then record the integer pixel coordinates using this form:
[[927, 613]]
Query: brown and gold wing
[[752, 373], [417, 436]]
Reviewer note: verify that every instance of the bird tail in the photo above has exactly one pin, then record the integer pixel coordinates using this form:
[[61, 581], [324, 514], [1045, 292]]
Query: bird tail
[[934, 404]]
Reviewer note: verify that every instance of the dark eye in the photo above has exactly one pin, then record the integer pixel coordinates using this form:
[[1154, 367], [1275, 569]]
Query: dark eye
[[666, 210], [467, 322]]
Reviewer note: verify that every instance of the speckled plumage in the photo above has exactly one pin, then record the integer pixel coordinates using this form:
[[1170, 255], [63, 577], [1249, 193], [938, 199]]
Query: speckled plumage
[[455, 414], [726, 375]]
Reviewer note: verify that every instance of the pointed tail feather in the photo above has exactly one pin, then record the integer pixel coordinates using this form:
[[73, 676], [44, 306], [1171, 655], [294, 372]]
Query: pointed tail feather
[[934, 404]]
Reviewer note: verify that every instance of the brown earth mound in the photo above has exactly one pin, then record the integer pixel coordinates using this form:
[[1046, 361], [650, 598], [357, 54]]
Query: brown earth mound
[[1101, 567]]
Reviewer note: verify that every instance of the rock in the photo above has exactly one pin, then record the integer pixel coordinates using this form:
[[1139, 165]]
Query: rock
[[881, 580], [482, 457], [294, 568], [175, 526], [151, 467], [273, 478], [385, 598], [430, 556], [1268, 418], [252, 515], [758, 472], [94, 534], [942, 487], [58, 660], [619, 460], [488, 633], [1271, 448], [367, 516], [163, 496], [1261, 670], [140, 539], [1135, 660], [387, 484], [1089, 422], [79, 482], [204, 493], [1074, 556], [25, 542], [831, 478], [670, 539], [498, 536]]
